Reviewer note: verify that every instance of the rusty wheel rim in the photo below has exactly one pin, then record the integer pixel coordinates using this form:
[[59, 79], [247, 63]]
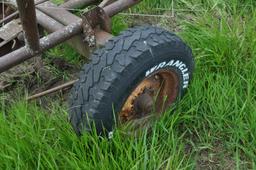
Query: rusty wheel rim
[[151, 96]]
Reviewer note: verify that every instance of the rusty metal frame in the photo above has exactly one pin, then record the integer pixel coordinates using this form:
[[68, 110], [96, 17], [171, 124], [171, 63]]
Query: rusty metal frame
[[34, 46], [27, 14]]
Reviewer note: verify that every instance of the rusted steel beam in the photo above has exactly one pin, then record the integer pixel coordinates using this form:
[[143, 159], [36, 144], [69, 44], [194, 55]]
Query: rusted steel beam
[[119, 6], [77, 3], [28, 19]]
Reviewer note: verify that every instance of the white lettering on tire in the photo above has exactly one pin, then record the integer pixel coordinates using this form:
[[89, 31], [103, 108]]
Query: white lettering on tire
[[110, 135], [174, 63]]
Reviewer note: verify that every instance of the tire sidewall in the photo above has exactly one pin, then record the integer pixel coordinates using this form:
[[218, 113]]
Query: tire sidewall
[[118, 68], [171, 60]]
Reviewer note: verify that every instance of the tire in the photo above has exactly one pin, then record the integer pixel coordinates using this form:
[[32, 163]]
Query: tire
[[117, 68]]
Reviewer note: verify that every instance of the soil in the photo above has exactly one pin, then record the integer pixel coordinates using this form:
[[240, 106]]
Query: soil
[[216, 157], [26, 78]]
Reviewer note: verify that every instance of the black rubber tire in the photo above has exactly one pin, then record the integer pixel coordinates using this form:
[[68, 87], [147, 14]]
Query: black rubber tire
[[117, 68]]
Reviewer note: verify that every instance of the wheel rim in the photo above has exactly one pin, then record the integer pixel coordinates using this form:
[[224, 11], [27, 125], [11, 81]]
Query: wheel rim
[[153, 94]]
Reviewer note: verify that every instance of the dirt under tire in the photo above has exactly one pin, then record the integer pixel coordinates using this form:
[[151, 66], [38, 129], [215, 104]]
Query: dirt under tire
[[115, 71]]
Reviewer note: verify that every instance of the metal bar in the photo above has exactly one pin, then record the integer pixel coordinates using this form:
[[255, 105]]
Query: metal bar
[[9, 17], [63, 86], [47, 22], [77, 3], [28, 19], [105, 3], [40, 1], [119, 6], [61, 15]]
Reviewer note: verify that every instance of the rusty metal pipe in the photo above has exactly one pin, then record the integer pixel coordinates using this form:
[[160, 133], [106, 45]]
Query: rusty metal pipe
[[119, 6], [77, 3], [28, 19], [48, 23], [61, 15]]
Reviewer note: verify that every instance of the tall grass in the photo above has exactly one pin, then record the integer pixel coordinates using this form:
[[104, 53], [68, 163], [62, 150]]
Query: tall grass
[[212, 127]]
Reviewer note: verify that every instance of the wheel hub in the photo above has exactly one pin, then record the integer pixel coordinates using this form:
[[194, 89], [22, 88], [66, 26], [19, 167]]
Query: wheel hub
[[154, 93]]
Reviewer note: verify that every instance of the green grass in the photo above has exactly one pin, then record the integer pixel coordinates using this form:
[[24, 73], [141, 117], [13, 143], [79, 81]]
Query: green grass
[[212, 127], [66, 52]]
